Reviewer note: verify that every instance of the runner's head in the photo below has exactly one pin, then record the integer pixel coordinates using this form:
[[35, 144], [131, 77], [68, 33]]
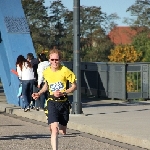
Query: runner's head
[[55, 57]]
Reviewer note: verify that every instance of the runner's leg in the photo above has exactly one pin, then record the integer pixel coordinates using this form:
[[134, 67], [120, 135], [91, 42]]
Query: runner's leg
[[54, 135], [62, 129]]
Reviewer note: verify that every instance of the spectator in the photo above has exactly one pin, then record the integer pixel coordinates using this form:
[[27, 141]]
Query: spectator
[[44, 63], [26, 75], [34, 63]]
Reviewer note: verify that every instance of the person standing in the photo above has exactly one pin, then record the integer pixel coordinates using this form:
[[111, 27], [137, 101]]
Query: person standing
[[57, 105], [44, 63], [34, 63], [26, 76]]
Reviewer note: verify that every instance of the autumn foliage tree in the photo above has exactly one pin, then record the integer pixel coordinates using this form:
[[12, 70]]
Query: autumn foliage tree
[[124, 53]]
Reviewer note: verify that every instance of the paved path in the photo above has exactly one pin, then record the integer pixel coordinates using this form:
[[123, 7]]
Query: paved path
[[21, 134], [112, 119]]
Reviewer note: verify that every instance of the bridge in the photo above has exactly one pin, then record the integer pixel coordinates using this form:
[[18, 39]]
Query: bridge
[[15, 39]]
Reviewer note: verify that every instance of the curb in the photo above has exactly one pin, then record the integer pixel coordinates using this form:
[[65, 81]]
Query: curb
[[110, 135]]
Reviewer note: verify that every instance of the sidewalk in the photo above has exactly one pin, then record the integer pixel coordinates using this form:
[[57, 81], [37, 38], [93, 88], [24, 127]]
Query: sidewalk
[[112, 119]]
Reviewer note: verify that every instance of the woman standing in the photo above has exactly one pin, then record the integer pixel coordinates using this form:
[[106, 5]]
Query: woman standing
[[44, 63], [26, 75]]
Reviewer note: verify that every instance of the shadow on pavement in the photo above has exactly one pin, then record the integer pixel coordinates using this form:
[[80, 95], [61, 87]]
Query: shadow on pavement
[[92, 101], [34, 136], [22, 137], [9, 125]]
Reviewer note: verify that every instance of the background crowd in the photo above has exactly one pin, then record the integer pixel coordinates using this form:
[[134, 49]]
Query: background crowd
[[30, 75]]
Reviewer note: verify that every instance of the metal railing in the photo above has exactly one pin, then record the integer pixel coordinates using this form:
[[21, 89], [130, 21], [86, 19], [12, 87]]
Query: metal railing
[[115, 80]]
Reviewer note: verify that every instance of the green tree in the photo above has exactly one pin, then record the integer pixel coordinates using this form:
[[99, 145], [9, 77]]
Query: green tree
[[91, 19], [61, 28], [53, 26], [140, 11], [56, 10], [38, 20], [101, 47], [141, 42], [67, 40], [95, 45]]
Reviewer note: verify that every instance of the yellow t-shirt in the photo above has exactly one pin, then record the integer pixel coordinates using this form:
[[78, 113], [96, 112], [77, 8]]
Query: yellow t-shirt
[[57, 80]]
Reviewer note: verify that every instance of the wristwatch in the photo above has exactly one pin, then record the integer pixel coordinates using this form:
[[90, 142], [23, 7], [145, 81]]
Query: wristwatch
[[65, 94]]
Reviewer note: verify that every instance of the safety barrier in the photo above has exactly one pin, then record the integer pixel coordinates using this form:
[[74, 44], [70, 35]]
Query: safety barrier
[[115, 80]]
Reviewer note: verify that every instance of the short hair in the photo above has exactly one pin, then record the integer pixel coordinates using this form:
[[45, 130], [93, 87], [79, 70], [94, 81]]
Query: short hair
[[30, 56], [42, 57], [55, 50]]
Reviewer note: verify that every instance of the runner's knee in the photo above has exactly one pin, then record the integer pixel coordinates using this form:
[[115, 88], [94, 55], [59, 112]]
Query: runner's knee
[[54, 128]]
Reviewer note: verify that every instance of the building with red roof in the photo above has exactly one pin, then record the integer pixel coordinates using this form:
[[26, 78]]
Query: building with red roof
[[122, 35]]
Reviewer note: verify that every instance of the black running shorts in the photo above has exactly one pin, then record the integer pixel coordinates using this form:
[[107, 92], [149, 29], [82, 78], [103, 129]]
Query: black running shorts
[[58, 112]]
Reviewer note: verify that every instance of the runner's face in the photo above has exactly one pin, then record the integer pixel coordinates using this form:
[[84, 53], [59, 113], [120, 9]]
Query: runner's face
[[54, 60]]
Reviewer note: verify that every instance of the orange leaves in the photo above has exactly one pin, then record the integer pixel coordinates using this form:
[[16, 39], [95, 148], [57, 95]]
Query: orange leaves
[[127, 54], [124, 53], [130, 86]]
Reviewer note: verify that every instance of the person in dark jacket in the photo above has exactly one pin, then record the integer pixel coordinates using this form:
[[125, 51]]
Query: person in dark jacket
[[34, 63]]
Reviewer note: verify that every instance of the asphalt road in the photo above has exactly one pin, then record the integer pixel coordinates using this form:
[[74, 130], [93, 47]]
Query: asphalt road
[[24, 134]]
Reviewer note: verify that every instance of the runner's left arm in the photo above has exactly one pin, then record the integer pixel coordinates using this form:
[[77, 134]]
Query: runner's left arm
[[72, 88]]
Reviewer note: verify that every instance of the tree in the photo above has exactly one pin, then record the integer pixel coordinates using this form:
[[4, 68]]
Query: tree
[[100, 47], [124, 53], [56, 11], [38, 20], [68, 35], [141, 12], [62, 28], [95, 45], [53, 26], [91, 19], [141, 23], [109, 22], [141, 42]]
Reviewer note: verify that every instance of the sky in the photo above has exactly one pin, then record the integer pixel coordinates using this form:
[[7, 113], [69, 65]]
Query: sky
[[108, 6]]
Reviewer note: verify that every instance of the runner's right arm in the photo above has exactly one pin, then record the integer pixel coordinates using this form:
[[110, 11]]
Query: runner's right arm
[[44, 89]]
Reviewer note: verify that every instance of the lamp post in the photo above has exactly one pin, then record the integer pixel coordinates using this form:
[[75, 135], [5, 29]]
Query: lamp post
[[76, 104]]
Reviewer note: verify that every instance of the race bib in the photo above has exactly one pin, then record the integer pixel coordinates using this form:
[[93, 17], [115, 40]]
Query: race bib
[[56, 86]]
